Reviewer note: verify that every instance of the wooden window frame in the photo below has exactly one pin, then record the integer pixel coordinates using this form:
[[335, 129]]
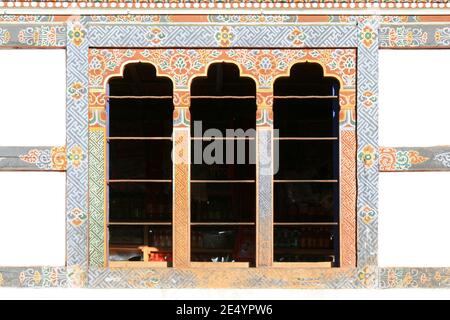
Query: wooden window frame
[[338, 63]]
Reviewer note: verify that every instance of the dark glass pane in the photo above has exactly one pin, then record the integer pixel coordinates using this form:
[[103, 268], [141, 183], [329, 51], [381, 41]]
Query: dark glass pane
[[135, 202], [160, 237], [223, 80], [306, 79], [125, 242], [311, 202], [126, 235], [241, 158], [140, 118], [223, 202], [287, 87], [306, 117], [306, 160], [137, 159], [139, 79], [222, 114], [304, 244], [223, 244]]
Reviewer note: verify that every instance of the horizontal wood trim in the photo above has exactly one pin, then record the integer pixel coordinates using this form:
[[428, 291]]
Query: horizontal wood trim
[[222, 138], [216, 265], [305, 223], [305, 97], [305, 181], [139, 223], [302, 265], [223, 223], [138, 264], [139, 97], [223, 97], [305, 138], [223, 181], [139, 181], [138, 138]]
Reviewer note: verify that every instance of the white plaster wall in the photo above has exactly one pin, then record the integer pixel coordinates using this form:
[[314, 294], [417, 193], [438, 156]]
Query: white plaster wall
[[414, 104], [414, 219], [32, 97], [32, 218]]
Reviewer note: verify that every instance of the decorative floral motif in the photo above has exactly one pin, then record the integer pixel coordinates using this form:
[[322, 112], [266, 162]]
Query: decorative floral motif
[[367, 36], [392, 159], [366, 276], [443, 158], [76, 276], [76, 156], [407, 280], [442, 36], [367, 215], [155, 36], [412, 278], [50, 159], [297, 37], [77, 90], [347, 63], [416, 158], [394, 19], [5, 36], [403, 37], [30, 278], [367, 156], [44, 36], [127, 18], [97, 118], [40, 158], [59, 158], [369, 98], [347, 119], [262, 65], [225, 37], [42, 277], [181, 118], [77, 35], [264, 117], [77, 217]]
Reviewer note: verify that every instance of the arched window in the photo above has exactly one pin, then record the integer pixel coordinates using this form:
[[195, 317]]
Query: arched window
[[139, 130], [223, 189], [306, 181]]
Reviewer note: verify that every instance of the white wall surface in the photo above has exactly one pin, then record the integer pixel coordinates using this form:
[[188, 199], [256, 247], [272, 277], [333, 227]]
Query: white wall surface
[[414, 104], [32, 218], [32, 97], [414, 219]]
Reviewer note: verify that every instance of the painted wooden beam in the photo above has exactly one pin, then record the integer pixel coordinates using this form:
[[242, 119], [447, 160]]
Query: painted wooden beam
[[36, 158], [394, 159]]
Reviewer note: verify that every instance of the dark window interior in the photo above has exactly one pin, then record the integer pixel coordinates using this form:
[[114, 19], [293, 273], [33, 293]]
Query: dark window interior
[[140, 167], [306, 185], [223, 193]]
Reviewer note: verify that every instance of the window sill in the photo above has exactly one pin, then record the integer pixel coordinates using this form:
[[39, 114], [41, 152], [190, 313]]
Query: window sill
[[225, 265], [138, 264], [300, 265]]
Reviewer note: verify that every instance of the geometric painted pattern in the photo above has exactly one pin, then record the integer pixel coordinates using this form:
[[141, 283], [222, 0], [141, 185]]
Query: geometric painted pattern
[[97, 232], [222, 36], [367, 128], [77, 144]]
